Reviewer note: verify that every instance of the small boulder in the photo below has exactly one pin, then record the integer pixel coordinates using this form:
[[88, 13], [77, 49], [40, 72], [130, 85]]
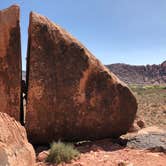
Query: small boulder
[[152, 138], [134, 128], [42, 156], [141, 124], [14, 146]]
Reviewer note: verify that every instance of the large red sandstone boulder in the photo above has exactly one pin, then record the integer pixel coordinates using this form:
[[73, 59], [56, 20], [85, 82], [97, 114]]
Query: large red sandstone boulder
[[10, 62], [71, 95], [14, 147]]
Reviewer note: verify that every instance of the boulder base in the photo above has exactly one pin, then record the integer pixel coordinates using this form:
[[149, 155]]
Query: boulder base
[[71, 95]]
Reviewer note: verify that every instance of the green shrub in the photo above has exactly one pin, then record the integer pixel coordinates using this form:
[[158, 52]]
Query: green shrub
[[61, 152]]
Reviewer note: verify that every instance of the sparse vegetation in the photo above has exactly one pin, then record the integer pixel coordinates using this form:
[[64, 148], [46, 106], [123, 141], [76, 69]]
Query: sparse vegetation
[[151, 103], [61, 152], [154, 87]]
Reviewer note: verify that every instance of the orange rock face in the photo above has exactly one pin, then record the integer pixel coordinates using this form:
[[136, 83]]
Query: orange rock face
[[10, 62], [71, 95], [14, 146]]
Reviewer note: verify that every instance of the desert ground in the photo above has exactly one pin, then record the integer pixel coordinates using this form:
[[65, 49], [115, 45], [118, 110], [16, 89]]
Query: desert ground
[[151, 104]]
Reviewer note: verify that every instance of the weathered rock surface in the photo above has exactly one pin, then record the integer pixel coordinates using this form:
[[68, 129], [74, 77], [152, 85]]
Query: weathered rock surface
[[14, 146], [42, 156], [71, 95], [10, 61], [152, 138]]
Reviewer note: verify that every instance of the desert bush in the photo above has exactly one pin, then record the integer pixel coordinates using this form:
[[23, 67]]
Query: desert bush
[[61, 152]]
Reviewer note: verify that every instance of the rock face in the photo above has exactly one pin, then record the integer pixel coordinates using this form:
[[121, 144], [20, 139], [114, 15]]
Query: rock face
[[71, 95], [14, 146], [150, 74], [10, 62]]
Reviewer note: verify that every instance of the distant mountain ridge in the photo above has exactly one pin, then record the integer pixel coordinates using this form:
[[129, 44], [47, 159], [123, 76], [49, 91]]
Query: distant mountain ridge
[[131, 74]]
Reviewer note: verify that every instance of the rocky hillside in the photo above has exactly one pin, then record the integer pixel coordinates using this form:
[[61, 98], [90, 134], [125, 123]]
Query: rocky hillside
[[149, 74]]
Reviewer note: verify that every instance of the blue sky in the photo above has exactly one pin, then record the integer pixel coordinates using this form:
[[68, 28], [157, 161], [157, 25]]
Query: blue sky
[[115, 31]]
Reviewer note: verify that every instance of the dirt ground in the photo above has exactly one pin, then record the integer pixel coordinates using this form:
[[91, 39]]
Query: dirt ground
[[151, 104], [108, 153]]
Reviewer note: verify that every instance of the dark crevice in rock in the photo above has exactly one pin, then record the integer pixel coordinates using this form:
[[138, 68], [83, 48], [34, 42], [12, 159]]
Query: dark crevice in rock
[[22, 98], [21, 110], [28, 65]]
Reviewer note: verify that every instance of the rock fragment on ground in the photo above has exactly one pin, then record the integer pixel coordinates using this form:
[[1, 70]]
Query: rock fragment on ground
[[152, 138]]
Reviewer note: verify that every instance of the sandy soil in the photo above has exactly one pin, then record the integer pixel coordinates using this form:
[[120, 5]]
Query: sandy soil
[[107, 153]]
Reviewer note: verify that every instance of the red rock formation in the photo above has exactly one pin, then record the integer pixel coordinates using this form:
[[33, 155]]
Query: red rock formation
[[71, 95], [14, 146], [150, 74], [10, 62]]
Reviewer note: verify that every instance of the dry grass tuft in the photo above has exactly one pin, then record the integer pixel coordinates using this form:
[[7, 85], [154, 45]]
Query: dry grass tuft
[[61, 152]]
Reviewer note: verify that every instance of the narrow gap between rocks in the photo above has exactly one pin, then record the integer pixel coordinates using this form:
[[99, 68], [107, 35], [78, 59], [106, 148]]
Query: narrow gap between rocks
[[24, 85]]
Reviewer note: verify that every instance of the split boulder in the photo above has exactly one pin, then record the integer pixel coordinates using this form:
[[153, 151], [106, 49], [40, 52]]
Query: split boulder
[[10, 61], [71, 95]]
